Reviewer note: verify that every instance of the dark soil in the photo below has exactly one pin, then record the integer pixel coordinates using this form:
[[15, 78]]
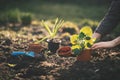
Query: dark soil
[[104, 65]]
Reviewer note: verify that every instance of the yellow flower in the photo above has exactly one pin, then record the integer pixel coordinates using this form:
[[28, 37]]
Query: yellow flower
[[89, 43], [75, 47], [82, 41], [73, 39], [92, 40], [87, 31]]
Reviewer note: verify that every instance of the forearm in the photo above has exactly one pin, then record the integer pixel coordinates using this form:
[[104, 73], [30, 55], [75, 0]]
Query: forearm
[[116, 41]]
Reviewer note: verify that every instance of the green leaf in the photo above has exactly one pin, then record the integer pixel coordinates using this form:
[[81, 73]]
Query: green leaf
[[88, 38], [82, 45], [88, 44], [58, 26], [41, 39], [76, 51], [81, 35], [46, 27], [56, 22]]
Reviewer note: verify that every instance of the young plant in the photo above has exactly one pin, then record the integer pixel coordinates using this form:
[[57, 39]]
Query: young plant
[[52, 32], [26, 18], [82, 41]]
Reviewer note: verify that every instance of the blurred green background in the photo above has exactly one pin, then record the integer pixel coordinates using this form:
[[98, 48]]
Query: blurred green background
[[72, 10], [83, 12]]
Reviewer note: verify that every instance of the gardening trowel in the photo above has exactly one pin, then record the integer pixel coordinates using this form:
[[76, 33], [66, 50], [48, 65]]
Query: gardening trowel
[[18, 53]]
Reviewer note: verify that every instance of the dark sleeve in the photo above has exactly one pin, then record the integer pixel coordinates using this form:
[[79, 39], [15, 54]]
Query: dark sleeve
[[111, 19]]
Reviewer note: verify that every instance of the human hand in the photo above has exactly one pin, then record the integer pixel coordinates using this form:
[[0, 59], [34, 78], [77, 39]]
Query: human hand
[[107, 44]]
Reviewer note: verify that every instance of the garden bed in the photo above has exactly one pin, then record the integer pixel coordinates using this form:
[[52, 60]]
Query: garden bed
[[104, 65]]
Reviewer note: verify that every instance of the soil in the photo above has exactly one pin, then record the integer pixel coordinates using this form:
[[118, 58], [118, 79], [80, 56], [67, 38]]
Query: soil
[[104, 65]]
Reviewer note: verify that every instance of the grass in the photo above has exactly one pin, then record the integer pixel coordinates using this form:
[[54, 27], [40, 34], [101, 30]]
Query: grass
[[67, 11]]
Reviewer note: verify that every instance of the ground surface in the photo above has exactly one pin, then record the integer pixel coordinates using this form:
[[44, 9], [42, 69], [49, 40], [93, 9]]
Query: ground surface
[[104, 65]]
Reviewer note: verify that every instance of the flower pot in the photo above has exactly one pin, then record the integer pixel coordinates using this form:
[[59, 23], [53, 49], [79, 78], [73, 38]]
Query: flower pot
[[84, 55], [37, 48], [53, 45], [65, 51]]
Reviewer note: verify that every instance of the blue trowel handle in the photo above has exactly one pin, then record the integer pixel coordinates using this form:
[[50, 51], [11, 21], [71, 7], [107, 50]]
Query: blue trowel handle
[[17, 53]]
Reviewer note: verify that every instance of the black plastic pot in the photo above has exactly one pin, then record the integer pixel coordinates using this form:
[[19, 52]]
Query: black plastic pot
[[53, 45]]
